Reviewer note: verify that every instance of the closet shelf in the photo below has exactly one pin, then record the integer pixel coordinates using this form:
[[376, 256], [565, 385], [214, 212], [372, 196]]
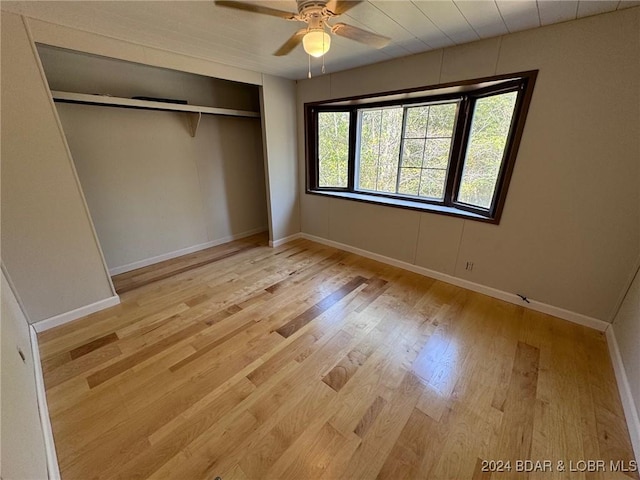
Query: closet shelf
[[105, 100]]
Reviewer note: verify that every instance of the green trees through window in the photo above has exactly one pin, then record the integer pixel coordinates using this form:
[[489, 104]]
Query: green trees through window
[[450, 149], [487, 141], [426, 150], [333, 148], [379, 131]]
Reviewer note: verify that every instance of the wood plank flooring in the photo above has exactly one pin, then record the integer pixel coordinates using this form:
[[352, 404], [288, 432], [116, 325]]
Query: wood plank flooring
[[304, 361], [159, 271]]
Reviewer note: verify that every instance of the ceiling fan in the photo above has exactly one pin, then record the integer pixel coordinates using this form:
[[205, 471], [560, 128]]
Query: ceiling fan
[[316, 14]]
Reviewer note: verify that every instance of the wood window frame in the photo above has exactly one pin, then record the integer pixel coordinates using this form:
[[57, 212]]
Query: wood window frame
[[467, 93]]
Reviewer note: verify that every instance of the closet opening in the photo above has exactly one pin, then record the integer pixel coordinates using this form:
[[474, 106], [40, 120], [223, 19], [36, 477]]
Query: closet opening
[[169, 162]]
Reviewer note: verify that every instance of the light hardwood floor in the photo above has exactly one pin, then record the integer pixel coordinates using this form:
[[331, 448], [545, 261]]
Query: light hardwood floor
[[304, 361]]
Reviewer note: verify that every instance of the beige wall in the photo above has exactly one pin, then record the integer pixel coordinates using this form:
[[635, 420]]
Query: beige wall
[[23, 449], [48, 245], [570, 228], [279, 127], [153, 190]]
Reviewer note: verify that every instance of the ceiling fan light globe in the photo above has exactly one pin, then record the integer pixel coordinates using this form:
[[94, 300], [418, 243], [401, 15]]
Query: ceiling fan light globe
[[316, 43]]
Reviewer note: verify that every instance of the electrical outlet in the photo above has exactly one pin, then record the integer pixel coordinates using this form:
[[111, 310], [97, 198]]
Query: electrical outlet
[[469, 266]]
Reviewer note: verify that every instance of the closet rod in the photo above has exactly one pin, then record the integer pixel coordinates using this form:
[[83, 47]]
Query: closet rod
[[108, 101]]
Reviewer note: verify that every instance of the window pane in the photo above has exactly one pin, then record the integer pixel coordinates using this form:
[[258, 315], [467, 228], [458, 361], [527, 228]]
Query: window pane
[[369, 136], [412, 152], [437, 153], [432, 183], [380, 133], [417, 119], [409, 181], [441, 120], [485, 150], [424, 157], [333, 148], [426, 149]]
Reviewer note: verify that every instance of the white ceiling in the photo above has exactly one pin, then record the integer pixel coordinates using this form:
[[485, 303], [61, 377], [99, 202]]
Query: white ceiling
[[247, 40]]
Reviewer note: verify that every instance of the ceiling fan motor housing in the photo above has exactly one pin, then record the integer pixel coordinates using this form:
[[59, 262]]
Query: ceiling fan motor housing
[[314, 12], [311, 6]]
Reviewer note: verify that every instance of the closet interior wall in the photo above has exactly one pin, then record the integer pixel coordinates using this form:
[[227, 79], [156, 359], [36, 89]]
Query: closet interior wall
[[153, 190]]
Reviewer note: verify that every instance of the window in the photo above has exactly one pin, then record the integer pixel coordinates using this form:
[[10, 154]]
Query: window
[[448, 149], [333, 149]]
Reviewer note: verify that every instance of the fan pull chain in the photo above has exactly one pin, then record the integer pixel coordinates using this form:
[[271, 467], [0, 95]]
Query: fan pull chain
[[309, 66], [323, 64]]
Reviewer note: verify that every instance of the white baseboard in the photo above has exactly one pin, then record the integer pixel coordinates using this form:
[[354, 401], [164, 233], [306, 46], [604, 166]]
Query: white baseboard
[[67, 317], [183, 251], [476, 287], [281, 241], [628, 403], [43, 409]]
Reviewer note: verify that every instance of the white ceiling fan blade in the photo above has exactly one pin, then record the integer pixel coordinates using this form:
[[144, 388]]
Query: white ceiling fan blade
[[338, 7], [292, 43], [360, 35], [251, 7]]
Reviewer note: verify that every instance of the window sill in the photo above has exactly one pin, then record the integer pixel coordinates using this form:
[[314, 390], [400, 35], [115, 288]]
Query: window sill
[[403, 203]]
